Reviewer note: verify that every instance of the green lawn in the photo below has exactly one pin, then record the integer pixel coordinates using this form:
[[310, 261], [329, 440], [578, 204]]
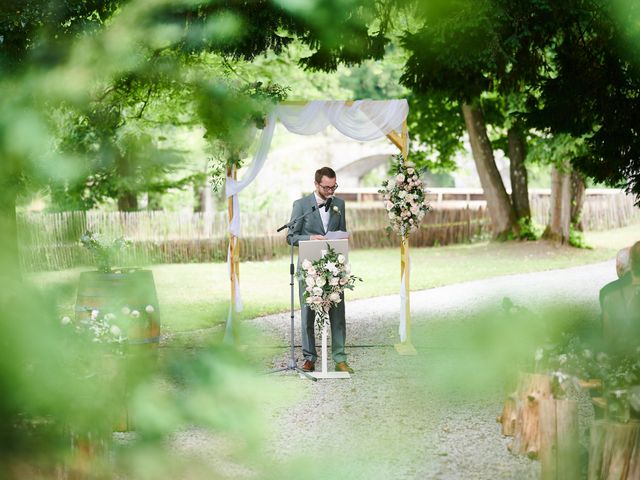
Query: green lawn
[[196, 295]]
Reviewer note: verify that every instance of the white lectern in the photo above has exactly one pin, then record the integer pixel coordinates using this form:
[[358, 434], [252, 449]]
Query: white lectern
[[313, 250]]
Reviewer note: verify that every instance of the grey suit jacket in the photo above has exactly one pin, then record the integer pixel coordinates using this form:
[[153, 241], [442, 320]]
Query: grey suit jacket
[[312, 223]]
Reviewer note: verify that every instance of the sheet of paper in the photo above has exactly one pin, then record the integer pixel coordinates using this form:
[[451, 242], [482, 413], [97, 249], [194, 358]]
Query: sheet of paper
[[339, 235]]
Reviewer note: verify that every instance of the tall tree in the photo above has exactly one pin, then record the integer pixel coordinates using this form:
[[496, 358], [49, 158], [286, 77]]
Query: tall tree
[[454, 53]]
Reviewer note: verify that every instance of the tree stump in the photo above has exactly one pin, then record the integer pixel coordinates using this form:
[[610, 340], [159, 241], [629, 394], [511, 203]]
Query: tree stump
[[532, 388], [508, 417], [614, 451], [559, 440]]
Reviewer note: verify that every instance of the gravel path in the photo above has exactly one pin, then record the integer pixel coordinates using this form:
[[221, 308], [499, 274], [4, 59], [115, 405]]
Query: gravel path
[[390, 420]]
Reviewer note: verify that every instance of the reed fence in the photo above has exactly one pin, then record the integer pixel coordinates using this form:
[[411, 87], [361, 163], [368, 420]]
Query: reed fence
[[50, 241]]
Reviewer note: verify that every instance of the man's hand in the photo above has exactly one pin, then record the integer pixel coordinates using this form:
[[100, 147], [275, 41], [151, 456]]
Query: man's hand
[[317, 237]]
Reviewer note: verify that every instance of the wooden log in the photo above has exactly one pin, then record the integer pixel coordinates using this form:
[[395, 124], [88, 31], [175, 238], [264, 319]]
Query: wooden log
[[559, 440], [532, 388], [508, 416], [614, 450]]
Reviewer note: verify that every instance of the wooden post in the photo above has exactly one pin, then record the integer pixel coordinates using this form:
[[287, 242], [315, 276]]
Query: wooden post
[[559, 440], [234, 266], [532, 389], [614, 450], [405, 347], [508, 417]]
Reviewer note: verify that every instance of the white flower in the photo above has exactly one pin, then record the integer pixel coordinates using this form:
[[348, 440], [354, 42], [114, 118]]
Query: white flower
[[312, 271], [334, 281], [539, 354], [402, 193], [306, 264], [310, 299], [149, 309], [317, 300], [65, 320], [321, 281], [388, 205], [94, 314], [619, 393], [400, 178], [410, 170], [317, 291], [560, 376], [392, 215], [135, 313], [331, 266], [336, 209], [344, 280], [341, 258], [125, 311], [115, 331], [310, 281], [334, 297]]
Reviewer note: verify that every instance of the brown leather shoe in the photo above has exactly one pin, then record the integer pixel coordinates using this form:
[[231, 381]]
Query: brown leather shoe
[[308, 366], [343, 367]]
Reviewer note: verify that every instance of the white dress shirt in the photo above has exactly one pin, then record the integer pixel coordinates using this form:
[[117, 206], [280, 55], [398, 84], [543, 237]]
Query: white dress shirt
[[323, 215]]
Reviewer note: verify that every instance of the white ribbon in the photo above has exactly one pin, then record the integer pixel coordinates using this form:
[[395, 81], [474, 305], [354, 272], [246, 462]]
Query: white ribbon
[[403, 303]]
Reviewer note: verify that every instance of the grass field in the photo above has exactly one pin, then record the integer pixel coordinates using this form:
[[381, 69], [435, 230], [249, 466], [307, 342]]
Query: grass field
[[196, 295]]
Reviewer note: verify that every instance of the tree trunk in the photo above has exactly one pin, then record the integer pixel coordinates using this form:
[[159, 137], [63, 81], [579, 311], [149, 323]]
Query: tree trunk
[[518, 172], [560, 205], [127, 201], [578, 188], [154, 202], [559, 440], [9, 259], [503, 220], [203, 200], [127, 198]]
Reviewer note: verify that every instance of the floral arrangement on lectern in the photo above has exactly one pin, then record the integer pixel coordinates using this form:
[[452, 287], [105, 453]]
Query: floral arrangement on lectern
[[326, 280], [404, 198]]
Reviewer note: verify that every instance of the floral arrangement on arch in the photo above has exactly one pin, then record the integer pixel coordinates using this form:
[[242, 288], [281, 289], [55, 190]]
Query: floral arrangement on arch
[[404, 198], [326, 279]]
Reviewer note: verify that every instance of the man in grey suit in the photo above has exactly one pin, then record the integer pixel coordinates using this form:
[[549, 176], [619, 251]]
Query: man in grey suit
[[314, 227]]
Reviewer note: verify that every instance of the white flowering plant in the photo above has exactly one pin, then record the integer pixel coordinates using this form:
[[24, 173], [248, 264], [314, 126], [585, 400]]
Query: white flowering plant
[[325, 280], [619, 373], [111, 327], [404, 198]]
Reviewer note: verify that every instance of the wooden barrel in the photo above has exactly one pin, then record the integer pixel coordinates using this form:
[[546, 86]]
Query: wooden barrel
[[131, 299]]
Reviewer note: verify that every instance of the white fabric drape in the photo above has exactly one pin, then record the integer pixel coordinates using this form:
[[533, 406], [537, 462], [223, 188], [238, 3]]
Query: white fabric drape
[[361, 120]]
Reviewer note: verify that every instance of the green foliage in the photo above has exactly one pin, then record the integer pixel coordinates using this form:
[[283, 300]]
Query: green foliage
[[104, 252], [576, 238], [528, 229]]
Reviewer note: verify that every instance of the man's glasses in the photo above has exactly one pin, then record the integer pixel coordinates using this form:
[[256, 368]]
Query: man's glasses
[[329, 189]]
